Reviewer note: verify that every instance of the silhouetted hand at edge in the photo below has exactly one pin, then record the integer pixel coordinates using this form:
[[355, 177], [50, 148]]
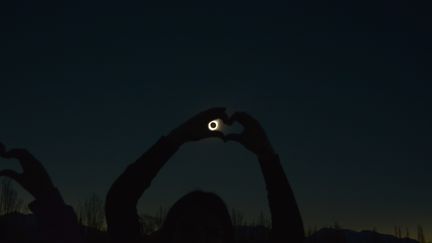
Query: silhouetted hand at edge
[[253, 136], [34, 178], [196, 128]]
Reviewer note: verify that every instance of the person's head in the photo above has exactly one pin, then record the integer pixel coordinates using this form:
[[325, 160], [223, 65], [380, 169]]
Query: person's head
[[199, 217]]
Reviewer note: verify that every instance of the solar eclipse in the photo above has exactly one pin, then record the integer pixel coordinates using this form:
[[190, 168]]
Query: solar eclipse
[[213, 125]]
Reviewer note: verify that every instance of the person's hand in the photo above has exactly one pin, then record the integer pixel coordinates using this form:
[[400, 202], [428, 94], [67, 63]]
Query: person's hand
[[34, 178], [196, 128], [253, 136]]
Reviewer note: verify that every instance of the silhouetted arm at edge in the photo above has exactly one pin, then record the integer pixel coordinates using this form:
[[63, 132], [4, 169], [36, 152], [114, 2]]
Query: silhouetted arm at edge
[[56, 221], [120, 207], [287, 225]]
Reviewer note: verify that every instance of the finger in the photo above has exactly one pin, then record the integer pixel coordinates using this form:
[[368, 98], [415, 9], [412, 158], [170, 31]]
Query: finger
[[224, 117], [239, 117], [26, 159], [20, 154], [233, 137], [11, 174], [218, 135], [234, 118], [218, 112], [244, 119]]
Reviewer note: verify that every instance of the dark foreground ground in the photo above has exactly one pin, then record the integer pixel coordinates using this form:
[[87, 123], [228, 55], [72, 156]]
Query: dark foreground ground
[[23, 228]]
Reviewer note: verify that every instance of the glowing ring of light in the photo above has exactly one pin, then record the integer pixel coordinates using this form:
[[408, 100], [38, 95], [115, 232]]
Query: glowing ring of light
[[213, 125]]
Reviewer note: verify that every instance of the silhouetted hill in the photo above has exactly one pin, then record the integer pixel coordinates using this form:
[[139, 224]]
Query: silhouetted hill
[[20, 228], [327, 235]]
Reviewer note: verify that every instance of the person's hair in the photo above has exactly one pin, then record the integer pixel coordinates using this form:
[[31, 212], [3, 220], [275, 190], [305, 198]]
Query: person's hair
[[193, 205]]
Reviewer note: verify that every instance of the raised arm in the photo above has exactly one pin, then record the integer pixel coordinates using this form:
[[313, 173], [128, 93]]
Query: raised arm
[[57, 221], [122, 198], [287, 225]]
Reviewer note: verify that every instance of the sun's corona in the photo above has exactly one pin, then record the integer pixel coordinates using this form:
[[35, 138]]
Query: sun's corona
[[213, 125]]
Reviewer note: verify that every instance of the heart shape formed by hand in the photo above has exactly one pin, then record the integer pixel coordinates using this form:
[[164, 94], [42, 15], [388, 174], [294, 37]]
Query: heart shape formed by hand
[[242, 128], [34, 177]]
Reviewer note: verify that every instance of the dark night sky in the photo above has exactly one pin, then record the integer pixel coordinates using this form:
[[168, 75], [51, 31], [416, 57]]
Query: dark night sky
[[343, 90]]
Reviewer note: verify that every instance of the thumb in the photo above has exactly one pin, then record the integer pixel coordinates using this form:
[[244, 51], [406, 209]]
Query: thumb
[[20, 154], [218, 134], [11, 174], [233, 137]]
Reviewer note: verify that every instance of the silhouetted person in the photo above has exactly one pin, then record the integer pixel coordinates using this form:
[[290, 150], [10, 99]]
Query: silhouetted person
[[57, 221], [199, 216]]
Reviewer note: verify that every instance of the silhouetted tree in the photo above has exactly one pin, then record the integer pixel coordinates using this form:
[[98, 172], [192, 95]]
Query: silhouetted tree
[[237, 217], [148, 223], [151, 223], [309, 231], [398, 231], [263, 220], [91, 213], [9, 201], [420, 234], [407, 233]]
